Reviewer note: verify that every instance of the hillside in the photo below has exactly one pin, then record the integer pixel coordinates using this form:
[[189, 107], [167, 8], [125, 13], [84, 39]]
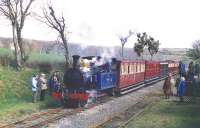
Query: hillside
[[75, 48]]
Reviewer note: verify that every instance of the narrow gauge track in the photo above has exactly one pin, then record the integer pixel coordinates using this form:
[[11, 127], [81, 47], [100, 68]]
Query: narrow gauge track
[[43, 118]]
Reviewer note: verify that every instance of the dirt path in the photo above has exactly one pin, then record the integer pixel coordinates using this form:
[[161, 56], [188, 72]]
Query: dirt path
[[122, 119], [102, 113]]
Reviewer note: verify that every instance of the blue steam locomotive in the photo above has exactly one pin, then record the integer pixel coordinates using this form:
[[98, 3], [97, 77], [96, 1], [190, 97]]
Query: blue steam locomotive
[[87, 78]]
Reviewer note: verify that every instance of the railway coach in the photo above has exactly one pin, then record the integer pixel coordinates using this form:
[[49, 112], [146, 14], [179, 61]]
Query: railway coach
[[163, 69], [130, 74], [152, 70], [173, 67]]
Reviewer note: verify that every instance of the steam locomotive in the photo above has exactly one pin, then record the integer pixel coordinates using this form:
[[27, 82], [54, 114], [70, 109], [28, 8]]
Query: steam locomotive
[[92, 76]]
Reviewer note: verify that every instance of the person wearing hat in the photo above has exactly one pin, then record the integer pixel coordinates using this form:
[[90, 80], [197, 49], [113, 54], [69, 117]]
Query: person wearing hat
[[167, 86], [42, 85]]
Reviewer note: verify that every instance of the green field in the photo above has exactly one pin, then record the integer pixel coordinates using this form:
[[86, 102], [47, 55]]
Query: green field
[[169, 114], [16, 94], [15, 90], [35, 57]]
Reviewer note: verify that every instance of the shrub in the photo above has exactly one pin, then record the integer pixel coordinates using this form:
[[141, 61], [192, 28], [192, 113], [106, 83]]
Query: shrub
[[45, 67]]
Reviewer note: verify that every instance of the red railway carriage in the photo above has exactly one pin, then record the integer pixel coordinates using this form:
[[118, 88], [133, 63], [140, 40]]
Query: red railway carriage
[[173, 66], [129, 73], [152, 70]]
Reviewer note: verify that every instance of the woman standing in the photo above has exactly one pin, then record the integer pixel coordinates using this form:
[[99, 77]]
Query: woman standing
[[42, 83], [167, 86], [181, 88]]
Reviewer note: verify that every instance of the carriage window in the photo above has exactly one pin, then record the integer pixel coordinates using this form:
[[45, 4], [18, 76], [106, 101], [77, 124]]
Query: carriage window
[[126, 69], [143, 68], [138, 67], [130, 69], [123, 69], [134, 68]]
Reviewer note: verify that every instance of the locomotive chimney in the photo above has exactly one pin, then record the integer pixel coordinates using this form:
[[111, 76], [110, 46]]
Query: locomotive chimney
[[75, 61]]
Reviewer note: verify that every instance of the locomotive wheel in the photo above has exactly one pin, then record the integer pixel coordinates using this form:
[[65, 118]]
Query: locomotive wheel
[[64, 102], [113, 92], [81, 103]]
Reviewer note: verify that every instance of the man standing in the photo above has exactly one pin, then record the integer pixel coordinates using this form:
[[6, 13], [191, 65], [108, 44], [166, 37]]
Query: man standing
[[197, 69], [34, 81], [181, 69], [191, 71]]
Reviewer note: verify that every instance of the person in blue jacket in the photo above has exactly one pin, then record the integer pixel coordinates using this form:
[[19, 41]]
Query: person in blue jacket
[[181, 88], [54, 84], [181, 68]]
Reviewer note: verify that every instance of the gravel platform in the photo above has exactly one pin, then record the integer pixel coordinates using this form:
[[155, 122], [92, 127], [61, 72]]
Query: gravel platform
[[97, 115]]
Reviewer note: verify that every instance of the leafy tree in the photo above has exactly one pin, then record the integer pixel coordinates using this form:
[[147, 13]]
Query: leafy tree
[[141, 43], [194, 52], [153, 46], [138, 48], [143, 40]]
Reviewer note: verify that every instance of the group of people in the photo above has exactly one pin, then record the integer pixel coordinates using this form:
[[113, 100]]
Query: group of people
[[39, 85], [174, 88], [179, 87]]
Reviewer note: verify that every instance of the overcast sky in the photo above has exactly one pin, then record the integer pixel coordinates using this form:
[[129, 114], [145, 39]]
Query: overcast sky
[[176, 23]]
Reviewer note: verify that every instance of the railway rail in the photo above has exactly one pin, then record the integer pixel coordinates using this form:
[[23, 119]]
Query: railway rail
[[51, 115]]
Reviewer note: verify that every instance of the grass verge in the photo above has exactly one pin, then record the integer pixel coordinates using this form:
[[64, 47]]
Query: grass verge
[[169, 114], [16, 95]]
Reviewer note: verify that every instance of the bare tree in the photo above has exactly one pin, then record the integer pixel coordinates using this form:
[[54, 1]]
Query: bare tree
[[124, 40], [16, 12], [58, 24], [22, 15]]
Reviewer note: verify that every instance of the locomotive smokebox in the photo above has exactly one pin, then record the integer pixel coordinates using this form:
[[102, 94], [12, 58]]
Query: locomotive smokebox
[[75, 61]]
